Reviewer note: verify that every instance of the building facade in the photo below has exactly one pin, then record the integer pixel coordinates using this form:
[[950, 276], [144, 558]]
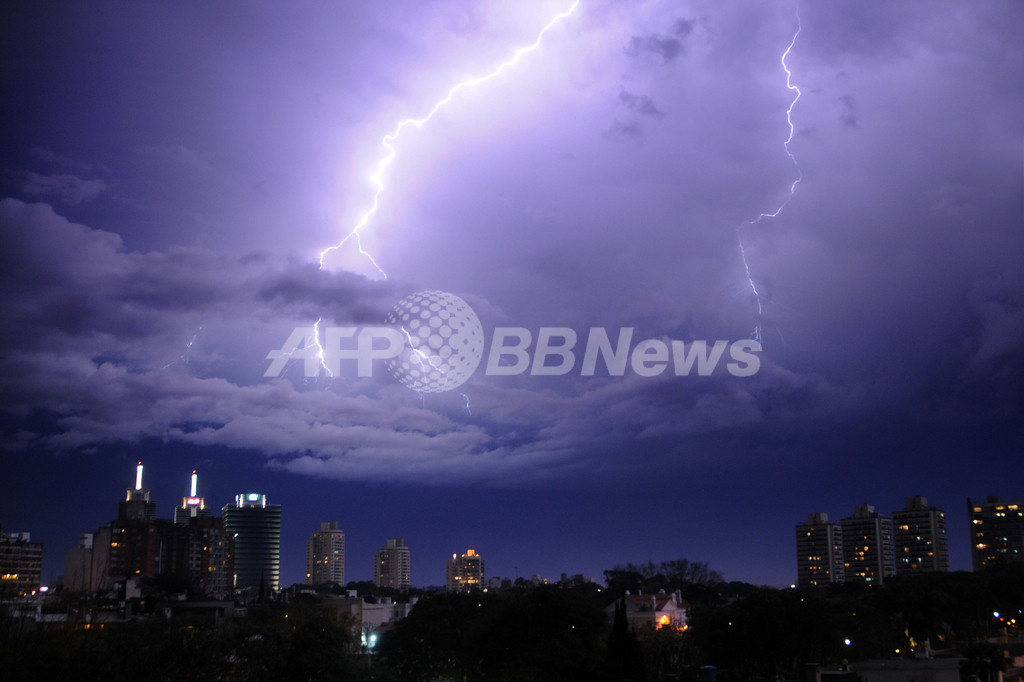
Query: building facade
[[142, 548], [21, 564], [654, 611], [819, 551], [997, 531], [391, 565], [465, 573], [256, 528], [87, 566], [325, 555], [867, 546], [208, 562], [919, 538]]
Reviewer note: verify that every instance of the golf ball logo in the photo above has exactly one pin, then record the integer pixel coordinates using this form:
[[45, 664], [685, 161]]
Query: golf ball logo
[[444, 341]]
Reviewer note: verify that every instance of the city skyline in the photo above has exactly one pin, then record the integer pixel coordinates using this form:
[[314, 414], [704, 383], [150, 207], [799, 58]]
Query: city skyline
[[840, 184], [355, 571]]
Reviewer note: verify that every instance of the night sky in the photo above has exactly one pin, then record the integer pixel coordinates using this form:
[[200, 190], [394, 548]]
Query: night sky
[[171, 172]]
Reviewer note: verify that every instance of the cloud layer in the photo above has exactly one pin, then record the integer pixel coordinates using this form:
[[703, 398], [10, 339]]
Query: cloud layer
[[601, 183]]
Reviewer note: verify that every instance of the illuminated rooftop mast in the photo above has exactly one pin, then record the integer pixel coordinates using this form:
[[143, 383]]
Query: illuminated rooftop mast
[[136, 504], [193, 505]]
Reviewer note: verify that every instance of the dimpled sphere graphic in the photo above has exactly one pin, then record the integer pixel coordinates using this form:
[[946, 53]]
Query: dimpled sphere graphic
[[443, 341]]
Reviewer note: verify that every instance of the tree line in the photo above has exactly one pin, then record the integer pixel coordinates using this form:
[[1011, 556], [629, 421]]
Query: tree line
[[553, 632]]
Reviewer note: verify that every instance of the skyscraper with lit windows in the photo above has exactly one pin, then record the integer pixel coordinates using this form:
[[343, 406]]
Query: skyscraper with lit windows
[[256, 527], [919, 538], [465, 573], [819, 551], [391, 565], [997, 531], [325, 555], [867, 546]]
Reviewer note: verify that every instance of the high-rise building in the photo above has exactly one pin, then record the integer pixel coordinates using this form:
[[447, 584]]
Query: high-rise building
[[21, 564], [136, 505], [997, 531], [141, 545], [919, 538], [205, 551], [325, 555], [192, 505], [465, 573], [256, 527], [87, 566], [194, 547], [391, 565], [142, 548], [867, 546], [819, 551], [208, 559]]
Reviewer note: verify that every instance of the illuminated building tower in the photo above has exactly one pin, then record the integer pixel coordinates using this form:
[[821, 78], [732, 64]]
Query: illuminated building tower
[[391, 565], [136, 504], [465, 573], [21, 564], [205, 551], [819, 551], [325, 555], [141, 545], [256, 527], [191, 506], [867, 546], [919, 538], [997, 531]]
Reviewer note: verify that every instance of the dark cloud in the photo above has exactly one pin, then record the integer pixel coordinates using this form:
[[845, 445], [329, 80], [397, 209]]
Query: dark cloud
[[848, 113], [683, 27], [619, 128], [666, 47], [64, 187], [120, 346], [641, 104]]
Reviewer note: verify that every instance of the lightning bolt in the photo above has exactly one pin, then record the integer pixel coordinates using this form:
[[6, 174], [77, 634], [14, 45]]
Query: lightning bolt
[[792, 188], [320, 347], [426, 360], [188, 346], [314, 343], [390, 152], [388, 157]]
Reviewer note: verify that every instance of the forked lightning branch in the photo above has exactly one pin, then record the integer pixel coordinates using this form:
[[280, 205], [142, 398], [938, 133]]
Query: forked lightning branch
[[432, 342]]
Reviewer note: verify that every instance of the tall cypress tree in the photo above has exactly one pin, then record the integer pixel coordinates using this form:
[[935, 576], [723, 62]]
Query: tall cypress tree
[[624, 660]]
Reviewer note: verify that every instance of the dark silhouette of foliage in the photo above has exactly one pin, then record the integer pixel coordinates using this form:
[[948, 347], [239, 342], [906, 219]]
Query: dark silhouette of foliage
[[548, 633], [623, 658], [983, 661], [282, 642], [694, 579]]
